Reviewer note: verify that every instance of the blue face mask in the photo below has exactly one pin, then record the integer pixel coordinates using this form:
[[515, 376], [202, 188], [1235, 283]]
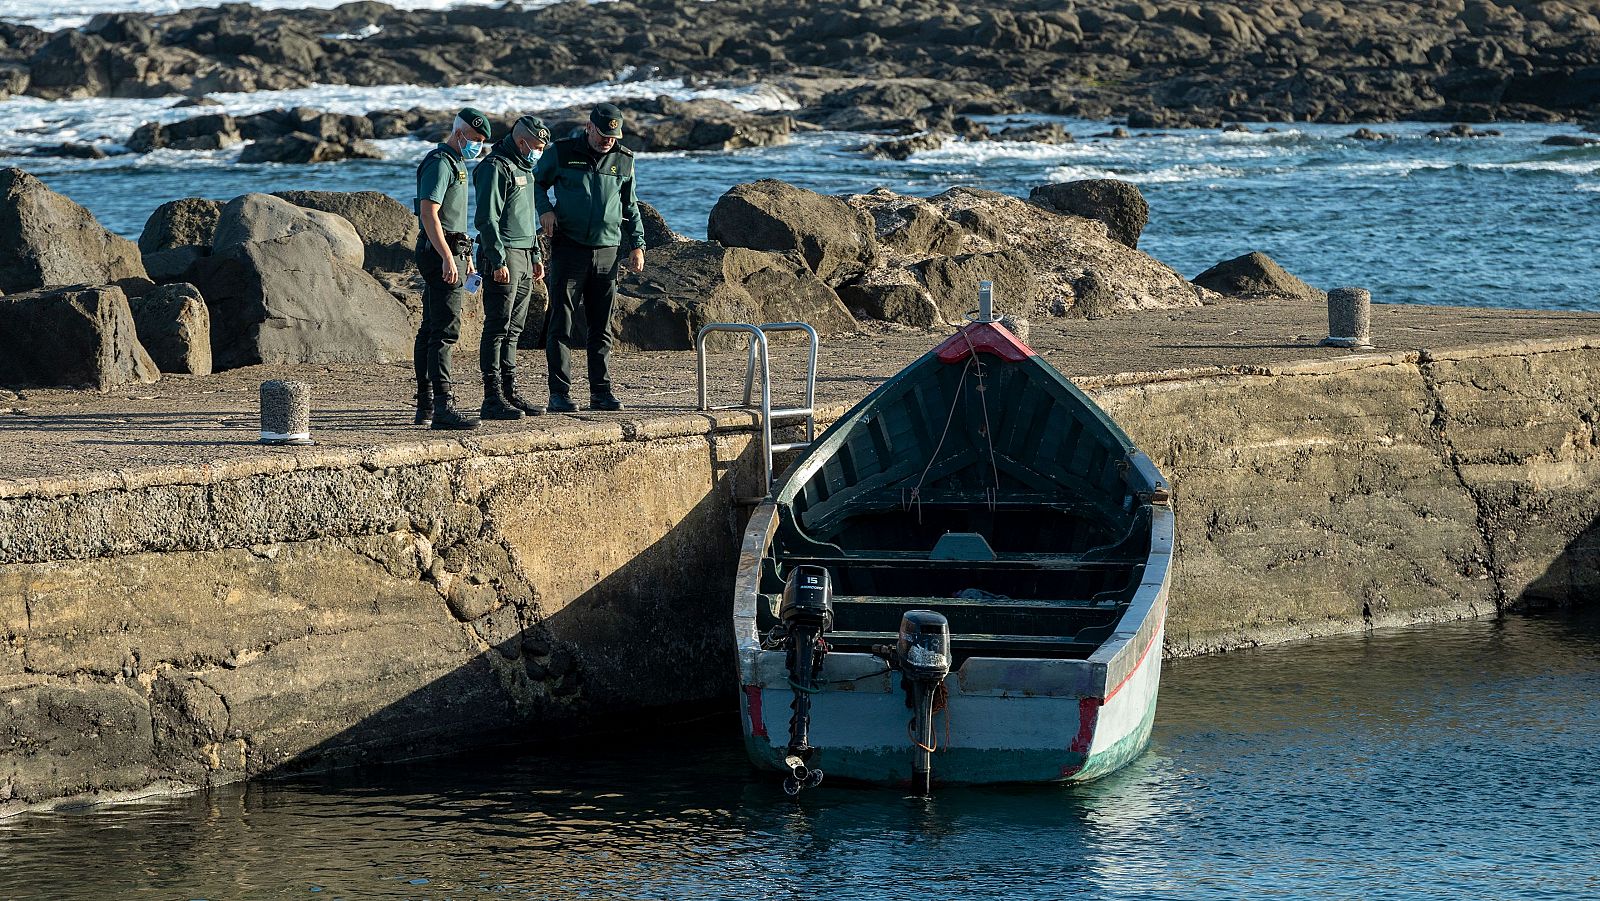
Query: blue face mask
[[532, 152], [471, 149]]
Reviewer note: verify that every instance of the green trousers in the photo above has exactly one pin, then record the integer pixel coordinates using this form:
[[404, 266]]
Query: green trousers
[[505, 311]]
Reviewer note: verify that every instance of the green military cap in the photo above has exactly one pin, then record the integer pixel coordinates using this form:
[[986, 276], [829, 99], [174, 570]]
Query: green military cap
[[535, 128], [476, 120], [608, 119]]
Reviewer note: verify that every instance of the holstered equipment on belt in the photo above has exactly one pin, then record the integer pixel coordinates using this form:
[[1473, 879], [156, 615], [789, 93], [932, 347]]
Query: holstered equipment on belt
[[460, 244]]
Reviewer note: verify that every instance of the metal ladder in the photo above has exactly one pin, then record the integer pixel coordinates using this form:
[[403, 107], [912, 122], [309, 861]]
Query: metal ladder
[[757, 349]]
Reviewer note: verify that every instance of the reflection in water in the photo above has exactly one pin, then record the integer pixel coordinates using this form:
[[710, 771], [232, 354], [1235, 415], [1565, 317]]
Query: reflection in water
[[1455, 761]]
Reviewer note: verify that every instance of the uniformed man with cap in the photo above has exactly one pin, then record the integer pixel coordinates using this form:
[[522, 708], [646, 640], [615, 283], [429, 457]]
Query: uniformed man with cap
[[508, 253], [593, 225], [444, 259]]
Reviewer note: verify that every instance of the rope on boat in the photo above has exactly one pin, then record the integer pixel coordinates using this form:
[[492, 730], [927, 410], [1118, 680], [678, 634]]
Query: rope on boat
[[992, 494]]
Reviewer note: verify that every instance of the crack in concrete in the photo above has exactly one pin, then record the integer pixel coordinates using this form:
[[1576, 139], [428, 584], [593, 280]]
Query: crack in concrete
[[1452, 458]]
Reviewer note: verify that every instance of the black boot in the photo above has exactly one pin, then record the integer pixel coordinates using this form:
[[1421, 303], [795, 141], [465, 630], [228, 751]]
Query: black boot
[[508, 389], [559, 403], [424, 404], [445, 415], [604, 400], [494, 403]]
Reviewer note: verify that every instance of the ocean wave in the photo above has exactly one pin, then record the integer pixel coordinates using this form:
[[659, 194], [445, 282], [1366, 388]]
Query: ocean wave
[[1559, 166], [1187, 172]]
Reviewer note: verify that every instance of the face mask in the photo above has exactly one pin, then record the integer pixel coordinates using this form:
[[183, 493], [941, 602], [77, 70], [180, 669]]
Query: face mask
[[532, 152], [471, 149]]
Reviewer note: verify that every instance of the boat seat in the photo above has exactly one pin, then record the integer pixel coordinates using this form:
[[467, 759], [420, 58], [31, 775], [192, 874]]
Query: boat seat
[[961, 546], [913, 560], [969, 645]]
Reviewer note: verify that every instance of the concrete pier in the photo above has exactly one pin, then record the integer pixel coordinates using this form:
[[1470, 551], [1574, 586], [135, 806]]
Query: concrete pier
[[178, 613]]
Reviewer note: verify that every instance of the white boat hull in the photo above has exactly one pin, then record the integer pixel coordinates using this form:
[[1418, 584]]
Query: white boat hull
[[1007, 720]]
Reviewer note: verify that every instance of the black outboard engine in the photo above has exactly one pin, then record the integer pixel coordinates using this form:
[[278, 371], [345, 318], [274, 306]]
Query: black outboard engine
[[806, 615], [923, 656]]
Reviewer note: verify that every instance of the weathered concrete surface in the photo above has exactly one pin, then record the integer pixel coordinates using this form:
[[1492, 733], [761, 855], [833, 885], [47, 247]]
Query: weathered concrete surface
[[236, 611]]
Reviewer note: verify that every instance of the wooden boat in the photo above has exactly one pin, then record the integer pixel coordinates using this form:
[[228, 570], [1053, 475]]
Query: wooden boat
[[982, 489]]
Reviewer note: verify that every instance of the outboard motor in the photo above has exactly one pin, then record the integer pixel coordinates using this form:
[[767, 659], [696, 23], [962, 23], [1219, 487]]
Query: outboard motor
[[806, 614], [923, 657]]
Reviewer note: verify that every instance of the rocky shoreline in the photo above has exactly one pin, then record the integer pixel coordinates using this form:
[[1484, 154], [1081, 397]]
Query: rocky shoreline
[[328, 277], [899, 67]]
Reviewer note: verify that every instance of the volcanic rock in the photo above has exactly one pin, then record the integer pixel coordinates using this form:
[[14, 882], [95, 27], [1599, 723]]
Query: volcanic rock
[[302, 149], [211, 132], [190, 221], [47, 240], [657, 233], [290, 300], [91, 342], [174, 326], [691, 283], [904, 148], [1118, 204], [833, 237], [262, 217], [893, 295], [1255, 275], [386, 227]]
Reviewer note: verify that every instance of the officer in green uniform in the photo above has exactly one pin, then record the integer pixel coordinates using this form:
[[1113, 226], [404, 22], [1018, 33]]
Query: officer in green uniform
[[444, 259], [594, 216], [508, 253]]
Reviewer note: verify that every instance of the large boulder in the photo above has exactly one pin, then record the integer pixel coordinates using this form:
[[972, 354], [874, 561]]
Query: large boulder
[[1116, 203], [1036, 259], [188, 222], [251, 218], [910, 227], [657, 233], [387, 229], [174, 326], [892, 294], [1256, 275], [952, 282], [289, 300], [92, 340], [834, 238], [47, 240], [691, 283]]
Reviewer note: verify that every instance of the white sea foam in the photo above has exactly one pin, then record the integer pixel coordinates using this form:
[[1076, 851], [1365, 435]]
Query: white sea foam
[[1164, 175], [108, 122], [51, 15]]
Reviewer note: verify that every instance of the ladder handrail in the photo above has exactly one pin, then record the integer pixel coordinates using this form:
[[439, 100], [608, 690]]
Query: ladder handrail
[[758, 349]]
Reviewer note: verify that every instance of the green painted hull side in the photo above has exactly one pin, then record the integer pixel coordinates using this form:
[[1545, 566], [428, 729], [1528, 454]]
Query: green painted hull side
[[968, 766]]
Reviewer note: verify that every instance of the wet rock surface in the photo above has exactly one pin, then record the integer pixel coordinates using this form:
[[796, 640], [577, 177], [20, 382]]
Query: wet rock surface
[[897, 67]]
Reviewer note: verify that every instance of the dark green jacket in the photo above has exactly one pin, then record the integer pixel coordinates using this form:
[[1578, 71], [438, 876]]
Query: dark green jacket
[[595, 200], [505, 217], [442, 178]]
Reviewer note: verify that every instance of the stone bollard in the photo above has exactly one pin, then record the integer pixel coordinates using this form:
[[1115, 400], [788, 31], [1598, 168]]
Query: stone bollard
[[285, 412], [1349, 318]]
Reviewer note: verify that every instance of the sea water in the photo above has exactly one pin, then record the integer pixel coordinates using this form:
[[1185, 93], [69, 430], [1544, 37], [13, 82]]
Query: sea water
[[1491, 221], [1459, 760]]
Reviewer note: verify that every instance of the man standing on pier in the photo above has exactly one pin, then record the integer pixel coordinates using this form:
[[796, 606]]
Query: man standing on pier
[[445, 260], [508, 253], [595, 202]]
